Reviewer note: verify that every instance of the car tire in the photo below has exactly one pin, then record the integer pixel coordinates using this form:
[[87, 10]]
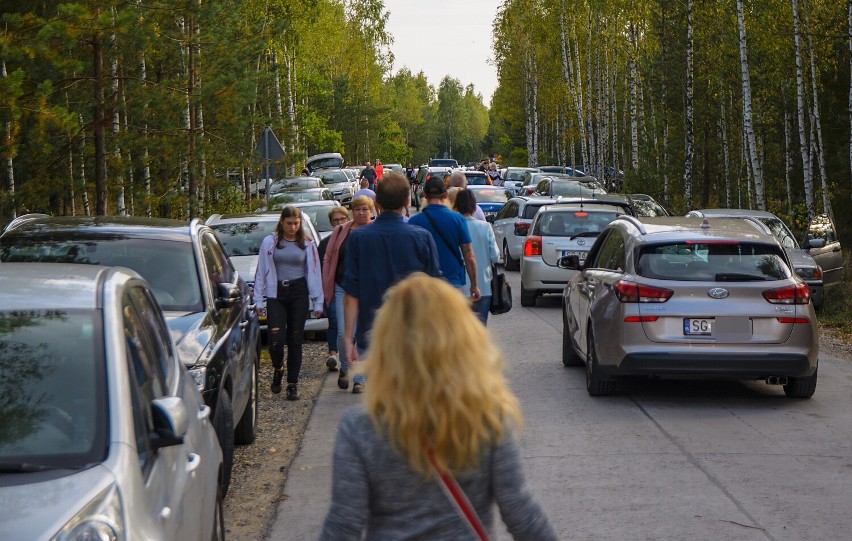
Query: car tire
[[246, 430], [508, 262], [223, 423], [527, 297], [219, 518], [802, 387], [569, 354], [596, 385]]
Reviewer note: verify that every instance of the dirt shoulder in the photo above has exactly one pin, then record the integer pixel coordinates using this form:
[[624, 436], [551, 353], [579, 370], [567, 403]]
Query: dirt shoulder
[[260, 469]]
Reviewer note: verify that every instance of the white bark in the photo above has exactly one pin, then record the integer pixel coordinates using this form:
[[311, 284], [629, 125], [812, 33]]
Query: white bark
[[723, 128], [86, 208], [293, 131], [116, 125], [146, 166], [788, 158], [816, 123], [634, 121], [748, 128], [10, 161], [804, 146], [592, 145], [688, 128], [572, 79]]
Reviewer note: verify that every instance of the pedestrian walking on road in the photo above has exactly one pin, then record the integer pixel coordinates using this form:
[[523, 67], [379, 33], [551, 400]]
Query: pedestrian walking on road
[[485, 250], [287, 279], [437, 413], [377, 257], [380, 170], [333, 268], [337, 216], [451, 235], [370, 174], [458, 180]]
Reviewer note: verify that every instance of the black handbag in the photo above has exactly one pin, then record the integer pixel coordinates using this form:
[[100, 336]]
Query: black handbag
[[501, 292]]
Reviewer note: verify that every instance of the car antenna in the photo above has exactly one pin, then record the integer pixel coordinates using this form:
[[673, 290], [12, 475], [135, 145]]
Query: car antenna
[[705, 224]]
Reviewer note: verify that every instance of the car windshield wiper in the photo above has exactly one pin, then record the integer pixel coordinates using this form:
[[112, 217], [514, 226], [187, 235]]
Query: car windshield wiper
[[24, 467], [586, 234], [739, 277]]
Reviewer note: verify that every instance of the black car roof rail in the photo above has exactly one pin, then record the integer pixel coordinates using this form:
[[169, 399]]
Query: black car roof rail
[[22, 219], [635, 221]]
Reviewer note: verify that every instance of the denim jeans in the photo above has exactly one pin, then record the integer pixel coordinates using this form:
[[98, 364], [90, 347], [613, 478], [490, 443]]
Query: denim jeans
[[341, 326], [480, 308], [331, 333], [286, 317]]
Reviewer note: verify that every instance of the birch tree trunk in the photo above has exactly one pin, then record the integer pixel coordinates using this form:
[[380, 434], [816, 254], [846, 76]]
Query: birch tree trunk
[[723, 128], [748, 128], [293, 129], [816, 123], [804, 147], [98, 131], [116, 125], [634, 125], [788, 159], [688, 128], [10, 160], [592, 145], [568, 75], [87, 210], [849, 41], [146, 166], [579, 89]]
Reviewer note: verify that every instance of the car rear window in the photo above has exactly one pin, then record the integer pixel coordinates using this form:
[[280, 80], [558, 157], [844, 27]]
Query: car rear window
[[569, 223], [532, 208], [576, 188], [491, 195], [515, 175], [719, 262]]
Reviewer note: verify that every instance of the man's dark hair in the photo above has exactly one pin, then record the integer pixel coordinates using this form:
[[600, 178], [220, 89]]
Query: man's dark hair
[[465, 202], [393, 192]]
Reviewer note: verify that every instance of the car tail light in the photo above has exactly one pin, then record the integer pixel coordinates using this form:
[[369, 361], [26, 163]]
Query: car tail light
[[797, 294], [532, 246], [641, 319], [522, 225], [793, 320], [633, 292]]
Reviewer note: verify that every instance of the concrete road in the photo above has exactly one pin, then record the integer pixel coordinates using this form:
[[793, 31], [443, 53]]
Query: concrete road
[[662, 460]]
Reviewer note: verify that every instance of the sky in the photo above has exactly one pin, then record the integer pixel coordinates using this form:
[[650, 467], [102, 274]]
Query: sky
[[445, 37]]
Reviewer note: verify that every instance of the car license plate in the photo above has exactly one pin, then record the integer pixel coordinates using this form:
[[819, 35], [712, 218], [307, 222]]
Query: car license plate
[[579, 254], [698, 326]]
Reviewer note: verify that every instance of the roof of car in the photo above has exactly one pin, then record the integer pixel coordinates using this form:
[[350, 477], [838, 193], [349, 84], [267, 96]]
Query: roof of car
[[682, 227], [738, 213], [103, 226], [51, 286], [591, 205]]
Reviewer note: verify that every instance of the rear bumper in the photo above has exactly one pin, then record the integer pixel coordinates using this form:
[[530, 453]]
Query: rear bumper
[[536, 275], [737, 365]]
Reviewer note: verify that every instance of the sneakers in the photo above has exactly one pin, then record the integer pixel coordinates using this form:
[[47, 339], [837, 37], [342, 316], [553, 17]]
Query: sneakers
[[331, 363], [277, 376], [292, 391], [357, 387], [343, 380]]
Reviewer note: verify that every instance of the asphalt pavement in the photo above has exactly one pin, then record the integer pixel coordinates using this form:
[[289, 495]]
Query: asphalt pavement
[[661, 460]]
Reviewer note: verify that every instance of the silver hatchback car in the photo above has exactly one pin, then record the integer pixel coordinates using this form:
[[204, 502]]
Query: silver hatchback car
[[689, 297], [105, 435]]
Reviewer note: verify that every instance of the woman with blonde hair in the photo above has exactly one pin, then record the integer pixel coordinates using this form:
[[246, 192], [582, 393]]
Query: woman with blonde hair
[[437, 404]]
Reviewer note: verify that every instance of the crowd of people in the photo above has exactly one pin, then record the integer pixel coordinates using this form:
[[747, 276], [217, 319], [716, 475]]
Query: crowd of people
[[381, 276]]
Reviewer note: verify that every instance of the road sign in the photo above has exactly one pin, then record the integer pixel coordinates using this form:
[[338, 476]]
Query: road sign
[[270, 149]]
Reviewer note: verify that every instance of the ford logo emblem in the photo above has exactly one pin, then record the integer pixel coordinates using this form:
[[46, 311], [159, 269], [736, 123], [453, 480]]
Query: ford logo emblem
[[581, 242], [718, 293]]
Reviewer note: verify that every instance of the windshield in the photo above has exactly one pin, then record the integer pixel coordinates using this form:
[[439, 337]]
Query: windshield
[[333, 178], [243, 238], [52, 398], [280, 200], [722, 262], [781, 232], [476, 180], [496, 195], [319, 216], [576, 188], [167, 265]]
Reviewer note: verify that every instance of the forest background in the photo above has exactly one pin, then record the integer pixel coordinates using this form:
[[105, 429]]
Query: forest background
[[156, 107]]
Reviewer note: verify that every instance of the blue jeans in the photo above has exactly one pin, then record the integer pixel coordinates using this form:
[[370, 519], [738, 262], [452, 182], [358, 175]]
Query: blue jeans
[[341, 325], [331, 333], [480, 308]]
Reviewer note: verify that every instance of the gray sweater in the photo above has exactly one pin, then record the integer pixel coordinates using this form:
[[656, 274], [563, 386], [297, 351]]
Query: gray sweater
[[374, 489]]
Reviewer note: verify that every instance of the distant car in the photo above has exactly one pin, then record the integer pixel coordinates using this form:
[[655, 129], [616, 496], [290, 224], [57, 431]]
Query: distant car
[[324, 161], [513, 177], [557, 231], [295, 183], [477, 178], [104, 433], [425, 173], [532, 179], [568, 187], [342, 186], [490, 199], [206, 301], [806, 266], [394, 167], [563, 169], [444, 162], [317, 213], [685, 297], [291, 196], [241, 234], [647, 206]]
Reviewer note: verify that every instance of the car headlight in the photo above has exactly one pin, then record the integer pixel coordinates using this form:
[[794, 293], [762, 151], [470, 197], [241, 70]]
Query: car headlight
[[199, 374], [102, 520], [809, 273]]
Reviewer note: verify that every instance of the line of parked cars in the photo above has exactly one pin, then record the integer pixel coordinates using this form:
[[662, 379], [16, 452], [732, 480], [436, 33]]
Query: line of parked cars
[[129, 356]]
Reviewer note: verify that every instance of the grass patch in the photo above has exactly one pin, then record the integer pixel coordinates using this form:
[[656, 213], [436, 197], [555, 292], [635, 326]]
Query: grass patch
[[836, 311]]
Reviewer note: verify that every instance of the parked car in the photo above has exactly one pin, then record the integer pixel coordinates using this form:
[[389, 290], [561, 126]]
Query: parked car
[[647, 206], [689, 297], [807, 267], [317, 213], [394, 167], [295, 183], [513, 177], [241, 234], [531, 180], [296, 195], [610, 176], [477, 178], [341, 185], [490, 199], [563, 169], [443, 162], [425, 173], [105, 435], [207, 302], [569, 187], [557, 231], [324, 161]]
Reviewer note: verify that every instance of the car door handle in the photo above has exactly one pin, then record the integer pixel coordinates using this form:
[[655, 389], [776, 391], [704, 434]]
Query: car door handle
[[204, 413], [244, 324], [194, 459]]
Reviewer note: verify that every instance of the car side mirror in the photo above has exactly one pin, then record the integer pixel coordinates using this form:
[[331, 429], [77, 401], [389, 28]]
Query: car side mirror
[[521, 231], [227, 295], [816, 243], [170, 419], [490, 218], [569, 262]]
